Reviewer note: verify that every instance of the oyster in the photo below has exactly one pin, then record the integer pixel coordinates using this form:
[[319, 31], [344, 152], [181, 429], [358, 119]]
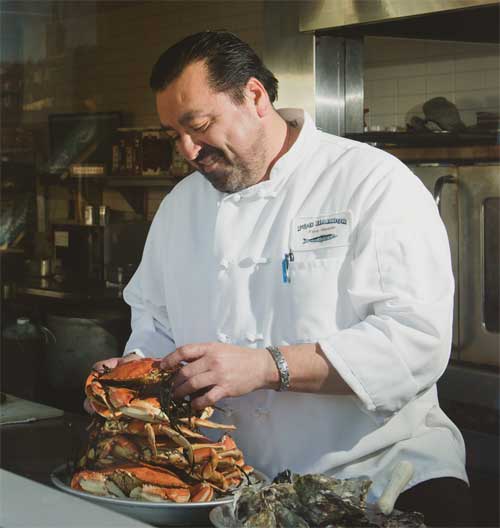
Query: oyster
[[263, 519], [286, 518], [302, 501], [398, 520], [328, 500]]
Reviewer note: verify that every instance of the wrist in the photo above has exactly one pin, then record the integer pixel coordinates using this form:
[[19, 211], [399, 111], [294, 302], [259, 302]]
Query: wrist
[[270, 372]]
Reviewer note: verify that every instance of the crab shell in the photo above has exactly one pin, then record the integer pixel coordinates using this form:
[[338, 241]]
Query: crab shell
[[136, 481], [145, 371]]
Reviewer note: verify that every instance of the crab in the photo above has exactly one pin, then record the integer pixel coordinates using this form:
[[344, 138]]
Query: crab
[[119, 386], [144, 444], [131, 389], [220, 463], [135, 481]]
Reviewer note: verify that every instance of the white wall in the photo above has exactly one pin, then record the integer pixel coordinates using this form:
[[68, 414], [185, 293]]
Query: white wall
[[401, 74]]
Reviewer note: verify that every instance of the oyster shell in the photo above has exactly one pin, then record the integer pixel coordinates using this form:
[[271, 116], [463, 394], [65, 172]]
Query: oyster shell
[[302, 501], [328, 500]]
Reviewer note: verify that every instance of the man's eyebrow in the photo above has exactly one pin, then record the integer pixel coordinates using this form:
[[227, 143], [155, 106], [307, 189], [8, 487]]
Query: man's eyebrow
[[184, 120]]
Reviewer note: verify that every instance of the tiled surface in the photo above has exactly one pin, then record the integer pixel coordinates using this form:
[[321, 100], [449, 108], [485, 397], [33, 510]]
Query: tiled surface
[[401, 74]]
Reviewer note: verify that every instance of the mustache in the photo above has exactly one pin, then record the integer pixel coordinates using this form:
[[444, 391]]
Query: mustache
[[207, 151]]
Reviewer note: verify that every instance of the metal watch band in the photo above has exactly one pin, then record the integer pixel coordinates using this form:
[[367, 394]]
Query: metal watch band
[[282, 365]]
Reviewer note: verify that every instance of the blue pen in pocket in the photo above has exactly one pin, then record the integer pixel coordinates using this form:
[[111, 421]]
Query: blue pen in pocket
[[285, 266]]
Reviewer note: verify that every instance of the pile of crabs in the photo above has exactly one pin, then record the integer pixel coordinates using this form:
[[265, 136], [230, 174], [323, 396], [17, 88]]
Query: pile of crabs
[[145, 445]]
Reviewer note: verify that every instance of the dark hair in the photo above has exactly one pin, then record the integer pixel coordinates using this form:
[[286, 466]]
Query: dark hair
[[230, 63]]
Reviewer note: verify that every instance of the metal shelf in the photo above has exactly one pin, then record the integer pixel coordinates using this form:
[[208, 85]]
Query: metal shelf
[[150, 181]]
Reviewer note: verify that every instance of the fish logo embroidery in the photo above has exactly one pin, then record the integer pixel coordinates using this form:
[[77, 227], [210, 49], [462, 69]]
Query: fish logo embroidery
[[320, 238]]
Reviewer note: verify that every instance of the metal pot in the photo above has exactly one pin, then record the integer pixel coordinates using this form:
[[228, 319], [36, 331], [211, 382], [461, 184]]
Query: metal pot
[[80, 341]]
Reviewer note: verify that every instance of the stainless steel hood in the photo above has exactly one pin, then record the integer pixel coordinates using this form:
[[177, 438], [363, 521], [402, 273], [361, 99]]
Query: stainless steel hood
[[333, 14]]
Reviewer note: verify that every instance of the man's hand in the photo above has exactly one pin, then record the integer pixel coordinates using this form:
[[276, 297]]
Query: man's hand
[[109, 363], [215, 370]]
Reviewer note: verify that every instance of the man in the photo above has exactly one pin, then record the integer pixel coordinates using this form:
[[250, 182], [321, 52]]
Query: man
[[303, 282]]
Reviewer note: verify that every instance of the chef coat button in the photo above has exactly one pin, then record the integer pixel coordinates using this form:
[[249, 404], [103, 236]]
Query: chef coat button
[[236, 197], [223, 338], [254, 337]]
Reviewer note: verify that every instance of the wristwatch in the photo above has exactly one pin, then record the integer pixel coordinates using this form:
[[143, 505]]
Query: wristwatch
[[282, 366]]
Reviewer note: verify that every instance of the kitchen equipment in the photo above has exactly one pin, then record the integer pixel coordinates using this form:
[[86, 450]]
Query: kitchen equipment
[[22, 358], [103, 215], [89, 215], [141, 152], [81, 338], [92, 253], [18, 410], [444, 113], [469, 201], [159, 514], [79, 250]]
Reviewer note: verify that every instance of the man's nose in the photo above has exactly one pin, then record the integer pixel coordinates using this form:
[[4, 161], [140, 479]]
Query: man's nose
[[187, 147]]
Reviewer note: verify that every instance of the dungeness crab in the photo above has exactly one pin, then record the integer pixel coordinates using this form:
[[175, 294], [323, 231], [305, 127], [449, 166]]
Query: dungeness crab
[[146, 445]]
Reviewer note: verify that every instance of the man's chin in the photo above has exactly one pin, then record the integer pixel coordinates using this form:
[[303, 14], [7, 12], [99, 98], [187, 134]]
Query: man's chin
[[222, 181]]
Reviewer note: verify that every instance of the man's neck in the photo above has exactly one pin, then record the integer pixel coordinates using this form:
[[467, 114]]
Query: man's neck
[[289, 133]]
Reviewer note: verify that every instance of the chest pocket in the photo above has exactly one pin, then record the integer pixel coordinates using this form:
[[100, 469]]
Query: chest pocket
[[315, 295]]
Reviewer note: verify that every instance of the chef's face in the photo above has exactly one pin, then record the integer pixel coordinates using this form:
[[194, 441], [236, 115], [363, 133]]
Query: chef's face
[[221, 139]]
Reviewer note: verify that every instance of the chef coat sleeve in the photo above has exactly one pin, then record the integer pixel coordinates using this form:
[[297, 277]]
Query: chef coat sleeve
[[145, 294], [401, 288]]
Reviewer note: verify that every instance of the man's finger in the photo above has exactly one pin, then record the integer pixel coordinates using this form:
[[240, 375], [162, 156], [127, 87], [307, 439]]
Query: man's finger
[[194, 384], [209, 398], [184, 353], [106, 363]]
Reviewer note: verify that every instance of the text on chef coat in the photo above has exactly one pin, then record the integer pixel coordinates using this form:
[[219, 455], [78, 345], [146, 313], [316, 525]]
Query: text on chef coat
[[324, 231]]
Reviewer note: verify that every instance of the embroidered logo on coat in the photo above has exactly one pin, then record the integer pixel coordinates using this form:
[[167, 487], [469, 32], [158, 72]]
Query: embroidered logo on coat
[[331, 230]]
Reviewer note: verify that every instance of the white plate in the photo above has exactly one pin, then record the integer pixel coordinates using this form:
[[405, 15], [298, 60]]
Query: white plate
[[157, 513]]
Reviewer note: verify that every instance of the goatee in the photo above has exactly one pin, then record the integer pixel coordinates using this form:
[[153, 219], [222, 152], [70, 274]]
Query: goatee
[[231, 176]]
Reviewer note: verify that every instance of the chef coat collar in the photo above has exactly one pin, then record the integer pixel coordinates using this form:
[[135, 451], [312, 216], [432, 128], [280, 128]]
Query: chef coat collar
[[287, 163]]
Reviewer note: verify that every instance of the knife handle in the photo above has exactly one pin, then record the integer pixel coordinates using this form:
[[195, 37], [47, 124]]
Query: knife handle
[[401, 475]]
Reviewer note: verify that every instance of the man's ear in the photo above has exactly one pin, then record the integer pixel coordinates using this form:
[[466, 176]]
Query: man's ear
[[258, 95]]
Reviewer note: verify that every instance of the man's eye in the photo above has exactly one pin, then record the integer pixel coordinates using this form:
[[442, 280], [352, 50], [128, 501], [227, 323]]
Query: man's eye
[[201, 128]]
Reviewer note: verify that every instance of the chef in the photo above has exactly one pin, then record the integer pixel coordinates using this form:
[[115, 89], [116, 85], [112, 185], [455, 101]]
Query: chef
[[303, 283]]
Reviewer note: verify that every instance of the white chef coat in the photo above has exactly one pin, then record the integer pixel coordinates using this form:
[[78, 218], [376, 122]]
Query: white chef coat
[[370, 280]]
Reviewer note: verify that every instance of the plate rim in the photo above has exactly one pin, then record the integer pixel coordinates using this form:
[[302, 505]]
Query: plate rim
[[57, 481]]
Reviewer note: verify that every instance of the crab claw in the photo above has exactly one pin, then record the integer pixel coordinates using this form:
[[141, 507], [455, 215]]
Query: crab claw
[[202, 492]]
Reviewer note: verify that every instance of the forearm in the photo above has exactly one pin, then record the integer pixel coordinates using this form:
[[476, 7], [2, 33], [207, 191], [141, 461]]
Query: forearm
[[310, 371]]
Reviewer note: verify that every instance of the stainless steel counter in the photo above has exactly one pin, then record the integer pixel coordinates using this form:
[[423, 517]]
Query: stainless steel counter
[[26, 503]]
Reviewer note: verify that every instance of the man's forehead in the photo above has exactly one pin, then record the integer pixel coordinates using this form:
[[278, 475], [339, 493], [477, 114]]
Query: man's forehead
[[187, 97]]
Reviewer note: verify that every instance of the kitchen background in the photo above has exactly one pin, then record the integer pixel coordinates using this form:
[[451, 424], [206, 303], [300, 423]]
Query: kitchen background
[[68, 68], [401, 74]]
